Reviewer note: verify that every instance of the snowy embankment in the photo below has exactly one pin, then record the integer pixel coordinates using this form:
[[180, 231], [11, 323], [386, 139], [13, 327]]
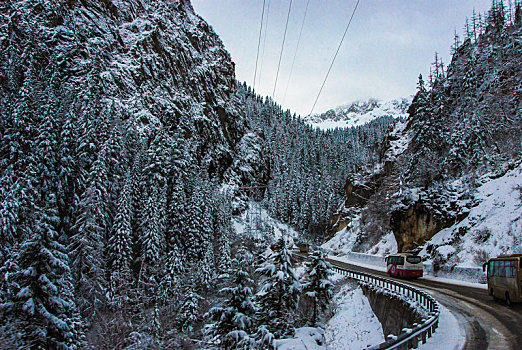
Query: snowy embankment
[[257, 222], [306, 338], [352, 326], [492, 226]]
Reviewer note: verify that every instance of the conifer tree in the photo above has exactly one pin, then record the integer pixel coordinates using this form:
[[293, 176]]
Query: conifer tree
[[232, 321], [119, 248], [279, 293], [189, 311], [86, 248], [317, 287], [42, 307]]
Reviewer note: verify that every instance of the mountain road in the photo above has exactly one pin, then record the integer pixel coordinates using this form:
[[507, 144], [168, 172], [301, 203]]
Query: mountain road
[[488, 324]]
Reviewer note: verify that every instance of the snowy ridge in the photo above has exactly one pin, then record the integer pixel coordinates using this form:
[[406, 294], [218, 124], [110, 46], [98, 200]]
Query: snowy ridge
[[359, 113]]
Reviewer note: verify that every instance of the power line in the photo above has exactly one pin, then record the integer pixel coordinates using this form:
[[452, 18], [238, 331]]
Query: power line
[[259, 43], [282, 47], [264, 42], [296, 49], [335, 56]]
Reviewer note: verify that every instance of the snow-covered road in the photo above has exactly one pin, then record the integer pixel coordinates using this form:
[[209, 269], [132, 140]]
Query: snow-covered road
[[487, 324]]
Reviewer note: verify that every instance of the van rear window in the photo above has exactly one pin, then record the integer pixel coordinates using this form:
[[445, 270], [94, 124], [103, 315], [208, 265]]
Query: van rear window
[[414, 259]]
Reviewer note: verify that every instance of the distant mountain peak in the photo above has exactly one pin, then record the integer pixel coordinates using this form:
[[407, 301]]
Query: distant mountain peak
[[359, 112]]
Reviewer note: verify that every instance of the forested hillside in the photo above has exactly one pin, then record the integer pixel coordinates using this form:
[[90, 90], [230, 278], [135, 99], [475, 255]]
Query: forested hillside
[[463, 131], [308, 166], [127, 145]]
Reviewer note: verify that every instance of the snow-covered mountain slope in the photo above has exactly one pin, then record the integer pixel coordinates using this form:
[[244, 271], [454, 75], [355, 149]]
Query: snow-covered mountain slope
[[447, 180], [359, 113], [492, 227], [118, 120]]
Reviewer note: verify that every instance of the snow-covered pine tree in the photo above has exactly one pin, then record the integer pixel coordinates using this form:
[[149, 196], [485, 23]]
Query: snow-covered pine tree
[[419, 166], [68, 179], [172, 280], [8, 213], [231, 323], [87, 245], [222, 227], [317, 287], [152, 213], [42, 308], [119, 248], [264, 339], [279, 294], [189, 311]]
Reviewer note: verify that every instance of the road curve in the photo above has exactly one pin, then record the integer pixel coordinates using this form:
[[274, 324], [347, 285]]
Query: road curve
[[488, 324]]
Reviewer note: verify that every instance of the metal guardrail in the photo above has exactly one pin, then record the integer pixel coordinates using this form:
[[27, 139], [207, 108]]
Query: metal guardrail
[[409, 338]]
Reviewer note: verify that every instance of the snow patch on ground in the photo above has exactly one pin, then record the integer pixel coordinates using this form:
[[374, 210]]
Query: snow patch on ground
[[354, 325], [306, 338], [493, 226], [456, 281], [344, 240], [256, 222], [399, 141], [373, 265], [386, 246]]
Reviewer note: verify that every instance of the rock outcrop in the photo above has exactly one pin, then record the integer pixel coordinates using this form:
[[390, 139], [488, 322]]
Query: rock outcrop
[[415, 225], [357, 194]]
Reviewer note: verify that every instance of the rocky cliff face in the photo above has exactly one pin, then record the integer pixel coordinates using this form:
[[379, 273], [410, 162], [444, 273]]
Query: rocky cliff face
[[119, 125], [415, 225], [147, 64]]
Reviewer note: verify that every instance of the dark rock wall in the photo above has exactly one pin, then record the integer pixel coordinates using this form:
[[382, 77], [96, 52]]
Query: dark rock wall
[[413, 226]]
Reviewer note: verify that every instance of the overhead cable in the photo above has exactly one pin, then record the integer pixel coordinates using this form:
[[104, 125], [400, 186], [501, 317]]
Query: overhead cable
[[282, 47], [296, 49], [264, 42], [335, 56], [259, 44]]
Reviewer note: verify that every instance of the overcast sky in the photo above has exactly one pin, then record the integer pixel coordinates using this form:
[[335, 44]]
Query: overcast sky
[[388, 44]]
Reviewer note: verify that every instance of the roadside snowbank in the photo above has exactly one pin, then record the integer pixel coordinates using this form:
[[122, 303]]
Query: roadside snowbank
[[354, 325], [377, 263]]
